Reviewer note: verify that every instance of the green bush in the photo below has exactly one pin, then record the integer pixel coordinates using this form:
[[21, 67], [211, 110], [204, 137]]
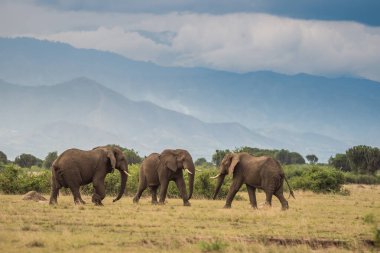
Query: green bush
[[352, 178], [15, 180], [214, 246], [320, 179], [204, 186], [317, 178]]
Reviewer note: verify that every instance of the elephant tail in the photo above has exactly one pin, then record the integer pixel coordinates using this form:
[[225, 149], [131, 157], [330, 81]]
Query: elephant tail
[[57, 178], [291, 193]]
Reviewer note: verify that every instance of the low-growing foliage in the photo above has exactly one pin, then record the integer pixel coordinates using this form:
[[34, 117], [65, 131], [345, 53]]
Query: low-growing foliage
[[320, 179], [214, 246], [376, 237], [316, 178], [352, 178], [15, 180]]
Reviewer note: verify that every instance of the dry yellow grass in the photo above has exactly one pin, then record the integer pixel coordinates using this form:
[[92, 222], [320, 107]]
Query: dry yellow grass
[[27, 226]]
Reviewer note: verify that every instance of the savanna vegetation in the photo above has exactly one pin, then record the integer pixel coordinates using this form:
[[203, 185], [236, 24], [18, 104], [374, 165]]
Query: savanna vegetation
[[337, 206]]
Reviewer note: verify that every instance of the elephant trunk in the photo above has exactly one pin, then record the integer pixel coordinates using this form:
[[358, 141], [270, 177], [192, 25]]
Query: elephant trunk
[[124, 178], [191, 168], [219, 185]]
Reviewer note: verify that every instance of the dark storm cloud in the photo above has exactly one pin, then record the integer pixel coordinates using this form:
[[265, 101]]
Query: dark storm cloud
[[362, 11]]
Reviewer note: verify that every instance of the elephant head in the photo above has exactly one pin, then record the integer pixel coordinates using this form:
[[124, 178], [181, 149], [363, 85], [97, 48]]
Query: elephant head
[[227, 166], [180, 159], [117, 160]]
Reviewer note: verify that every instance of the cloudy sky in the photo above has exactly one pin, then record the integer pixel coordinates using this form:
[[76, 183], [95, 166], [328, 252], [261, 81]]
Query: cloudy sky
[[329, 38]]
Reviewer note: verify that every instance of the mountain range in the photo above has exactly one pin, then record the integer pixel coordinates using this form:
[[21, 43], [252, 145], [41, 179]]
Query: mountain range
[[54, 96]]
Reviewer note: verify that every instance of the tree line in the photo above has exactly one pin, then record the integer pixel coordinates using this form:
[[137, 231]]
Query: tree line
[[358, 159]]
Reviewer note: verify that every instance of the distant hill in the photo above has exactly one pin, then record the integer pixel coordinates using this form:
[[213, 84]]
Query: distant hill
[[304, 113], [83, 113]]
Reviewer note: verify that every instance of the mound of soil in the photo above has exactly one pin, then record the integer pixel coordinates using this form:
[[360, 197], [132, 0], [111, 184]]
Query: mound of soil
[[33, 195]]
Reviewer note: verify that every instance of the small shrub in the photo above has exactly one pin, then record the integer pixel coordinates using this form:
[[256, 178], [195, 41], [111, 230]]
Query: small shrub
[[344, 192], [35, 244], [352, 178], [376, 237], [369, 218], [214, 246]]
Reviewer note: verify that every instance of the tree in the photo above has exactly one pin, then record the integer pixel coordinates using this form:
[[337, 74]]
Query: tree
[[340, 162], [313, 159], [257, 151], [296, 158], [200, 161], [286, 157], [132, 156], [49, 159], [27, 161], [218, 156], [3, 158], [364, 159]]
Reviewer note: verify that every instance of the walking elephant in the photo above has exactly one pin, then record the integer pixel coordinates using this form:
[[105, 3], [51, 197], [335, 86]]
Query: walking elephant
[[255, 172], [159, 169], [75, 167]]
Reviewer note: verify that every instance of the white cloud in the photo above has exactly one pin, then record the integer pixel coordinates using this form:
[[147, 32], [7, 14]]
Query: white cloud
[[115, 39], [238, 42]]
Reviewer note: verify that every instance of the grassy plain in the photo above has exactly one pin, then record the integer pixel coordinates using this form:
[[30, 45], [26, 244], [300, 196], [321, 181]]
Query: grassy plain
[[347, 221]]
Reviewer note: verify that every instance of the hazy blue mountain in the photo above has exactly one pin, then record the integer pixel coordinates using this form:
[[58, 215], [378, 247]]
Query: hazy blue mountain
[[301, 112], [83, 113]]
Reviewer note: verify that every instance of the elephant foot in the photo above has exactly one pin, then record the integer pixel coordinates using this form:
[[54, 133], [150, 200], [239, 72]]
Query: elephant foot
[[53, 202], [78, 202], [284, 208], [160, 203], [187, 203], [254, 207], [135, 200], [154, 202], [226, 206], [99, 204]]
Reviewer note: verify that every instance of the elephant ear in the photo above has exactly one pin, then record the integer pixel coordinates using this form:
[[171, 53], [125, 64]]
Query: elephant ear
[[234, 161], [169, 160], [171, 164], [112, 158]]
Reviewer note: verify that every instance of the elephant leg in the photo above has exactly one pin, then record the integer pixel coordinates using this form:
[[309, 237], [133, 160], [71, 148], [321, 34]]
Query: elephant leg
[[142, 186], [163, 191], [268, 198], [234, 188], [280, 195], [252, 196], [180, 182], [99, 194], [153, 190], [54, 195], [73, 180], [76, 194]]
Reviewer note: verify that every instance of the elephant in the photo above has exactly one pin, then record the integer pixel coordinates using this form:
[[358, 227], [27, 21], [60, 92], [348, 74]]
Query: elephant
[[75, 167], [255, 172], [159, 169]]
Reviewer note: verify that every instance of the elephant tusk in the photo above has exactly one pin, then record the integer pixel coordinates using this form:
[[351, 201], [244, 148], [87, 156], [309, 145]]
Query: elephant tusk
[[188, 171], [215, 176], [198, 170], [126, 173]]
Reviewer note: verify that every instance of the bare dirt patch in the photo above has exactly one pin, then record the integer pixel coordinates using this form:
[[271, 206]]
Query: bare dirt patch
[[35, 196]]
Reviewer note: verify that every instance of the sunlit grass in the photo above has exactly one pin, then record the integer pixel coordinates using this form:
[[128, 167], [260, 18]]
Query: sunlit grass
[[27, 226]]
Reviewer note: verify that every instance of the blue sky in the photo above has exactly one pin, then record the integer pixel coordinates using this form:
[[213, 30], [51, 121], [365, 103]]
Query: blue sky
[[329, 38]]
